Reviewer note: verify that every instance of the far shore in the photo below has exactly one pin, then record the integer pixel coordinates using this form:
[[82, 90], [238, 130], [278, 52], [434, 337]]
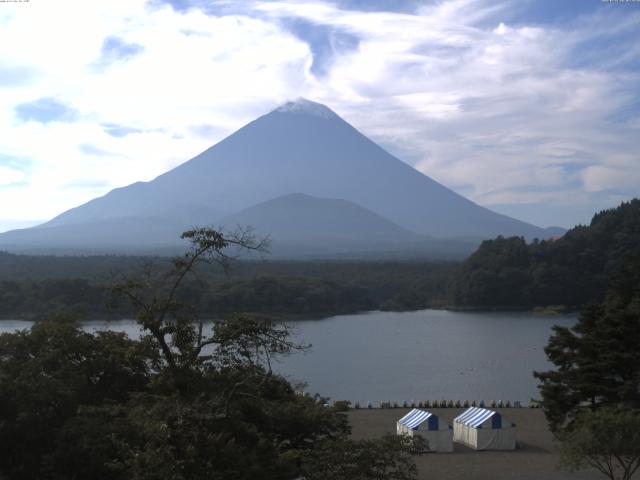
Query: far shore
[[100, 316]]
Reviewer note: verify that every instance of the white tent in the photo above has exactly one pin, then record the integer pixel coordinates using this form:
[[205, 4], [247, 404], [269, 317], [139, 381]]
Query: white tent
[[420, 422], [483, 429]]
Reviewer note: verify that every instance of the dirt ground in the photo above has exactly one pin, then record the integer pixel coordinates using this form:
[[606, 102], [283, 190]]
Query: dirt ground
[[535, 459]]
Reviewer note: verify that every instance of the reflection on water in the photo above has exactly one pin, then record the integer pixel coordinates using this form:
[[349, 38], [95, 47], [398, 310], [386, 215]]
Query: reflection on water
[[424, 355]]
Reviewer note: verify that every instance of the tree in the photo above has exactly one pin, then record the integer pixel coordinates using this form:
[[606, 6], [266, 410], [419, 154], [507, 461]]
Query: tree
[[386, 459], [170, 323], [572, 270], [178, 404], [597, 360], [48, 373], [607, 440]]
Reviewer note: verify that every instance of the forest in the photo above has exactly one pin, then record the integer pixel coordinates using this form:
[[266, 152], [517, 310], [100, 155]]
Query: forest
[[183, 402], [30, 287], [569, 271], [504, 273]]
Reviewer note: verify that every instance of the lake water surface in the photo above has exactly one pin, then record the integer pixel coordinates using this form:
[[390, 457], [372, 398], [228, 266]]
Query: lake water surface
[[423, 355]]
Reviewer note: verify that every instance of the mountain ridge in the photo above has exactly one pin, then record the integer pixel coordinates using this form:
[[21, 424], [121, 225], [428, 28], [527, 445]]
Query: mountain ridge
[[302, 147]]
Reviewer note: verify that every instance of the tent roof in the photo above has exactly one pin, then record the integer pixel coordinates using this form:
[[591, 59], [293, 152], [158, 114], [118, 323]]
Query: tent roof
[[474, 416], [415, 417]]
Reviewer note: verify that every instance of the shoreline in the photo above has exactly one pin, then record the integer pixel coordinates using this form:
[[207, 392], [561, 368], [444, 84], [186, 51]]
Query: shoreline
[[548, 311]]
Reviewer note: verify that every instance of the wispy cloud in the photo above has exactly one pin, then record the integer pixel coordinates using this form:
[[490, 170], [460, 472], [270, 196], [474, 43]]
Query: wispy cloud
[[15, 75], [505, 114], [10, 177], [45, 110], [325, 41], [116, 49], [526, 107], [88, 149], [119, 131]]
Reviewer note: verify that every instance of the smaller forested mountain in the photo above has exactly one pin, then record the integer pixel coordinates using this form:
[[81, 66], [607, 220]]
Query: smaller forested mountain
[[572, 270]]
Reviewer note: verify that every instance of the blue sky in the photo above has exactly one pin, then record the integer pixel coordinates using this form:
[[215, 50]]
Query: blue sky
[[531, 108]]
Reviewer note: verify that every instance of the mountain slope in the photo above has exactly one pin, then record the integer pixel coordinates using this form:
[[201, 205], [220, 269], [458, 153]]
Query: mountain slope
[[137, 235], [299, 147], [304, 216], [299, 223]]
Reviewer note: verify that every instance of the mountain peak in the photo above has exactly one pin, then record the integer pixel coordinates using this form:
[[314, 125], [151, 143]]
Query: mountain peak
[[302, 146], [306, 107]]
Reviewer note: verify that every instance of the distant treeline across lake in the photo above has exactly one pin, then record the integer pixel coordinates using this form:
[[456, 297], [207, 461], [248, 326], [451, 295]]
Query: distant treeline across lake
[[504, 273], [33, 287]]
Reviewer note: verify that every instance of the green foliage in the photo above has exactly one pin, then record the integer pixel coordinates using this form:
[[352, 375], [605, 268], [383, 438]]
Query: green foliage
[[285, 295], [173, 436], [180, 403], [607, 439], [274, 288], [389, 458], [572, 270], [47, 373], [597, 361], [29, 299], [80, 405]]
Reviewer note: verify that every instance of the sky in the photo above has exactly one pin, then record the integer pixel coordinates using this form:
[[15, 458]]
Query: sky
[[530, 108]]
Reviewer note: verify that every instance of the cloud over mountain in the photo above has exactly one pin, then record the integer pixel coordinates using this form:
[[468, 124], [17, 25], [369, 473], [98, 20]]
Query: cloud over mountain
[[530, 107]]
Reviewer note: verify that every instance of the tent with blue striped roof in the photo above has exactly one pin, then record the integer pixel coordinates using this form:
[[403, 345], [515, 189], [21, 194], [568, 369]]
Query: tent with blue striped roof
[[438, 434], [484, 429]]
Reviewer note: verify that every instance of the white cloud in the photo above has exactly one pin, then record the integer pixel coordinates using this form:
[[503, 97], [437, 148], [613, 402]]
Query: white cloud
[[621, 172], [10, 176], [192, 70], [501, 112], [496, 113]]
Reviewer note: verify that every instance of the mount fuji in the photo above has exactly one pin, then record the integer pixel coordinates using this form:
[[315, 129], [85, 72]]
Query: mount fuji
[[340, 189]]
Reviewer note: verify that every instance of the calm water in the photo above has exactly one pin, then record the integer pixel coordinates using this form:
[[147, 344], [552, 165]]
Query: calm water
[[424, 355]]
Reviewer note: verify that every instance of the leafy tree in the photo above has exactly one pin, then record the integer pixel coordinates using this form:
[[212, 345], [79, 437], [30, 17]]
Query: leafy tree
[[592, 399], [180, 403], [47, 373], [597, 360], [607, 440], [167, 321], [572, 270], [386, 459]]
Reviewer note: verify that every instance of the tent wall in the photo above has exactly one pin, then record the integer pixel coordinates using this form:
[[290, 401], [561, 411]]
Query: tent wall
[[437, 440], [496, 439], [483, 429], [485, 438], [465, 435]]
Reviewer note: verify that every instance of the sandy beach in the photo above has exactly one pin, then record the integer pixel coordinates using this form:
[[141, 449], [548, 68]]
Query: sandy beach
[[535, 459]]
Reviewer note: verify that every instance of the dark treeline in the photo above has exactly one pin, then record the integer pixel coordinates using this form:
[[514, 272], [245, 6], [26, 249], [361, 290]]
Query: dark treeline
[[34, 267], [31, 287], [503, 273], [570, 271]]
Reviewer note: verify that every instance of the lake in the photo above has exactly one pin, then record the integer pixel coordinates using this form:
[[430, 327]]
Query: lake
[[422, 355]]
